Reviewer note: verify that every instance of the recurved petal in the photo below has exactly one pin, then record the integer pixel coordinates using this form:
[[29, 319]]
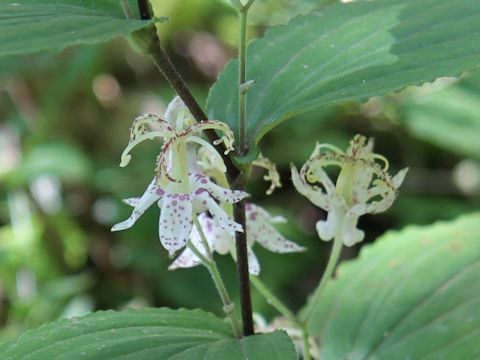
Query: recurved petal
[[260, 229], [175, 221], [151, 195], [317, 197], [326, 229], [200, 181], [351, 235]]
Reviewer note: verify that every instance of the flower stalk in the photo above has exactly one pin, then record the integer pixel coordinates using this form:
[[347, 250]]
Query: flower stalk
[[285, 311], [209, 263], [327, 274]]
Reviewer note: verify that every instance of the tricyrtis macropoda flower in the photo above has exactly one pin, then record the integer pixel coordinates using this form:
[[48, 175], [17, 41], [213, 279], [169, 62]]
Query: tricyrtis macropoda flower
[[259, 229], [362, 186], [179, 187]]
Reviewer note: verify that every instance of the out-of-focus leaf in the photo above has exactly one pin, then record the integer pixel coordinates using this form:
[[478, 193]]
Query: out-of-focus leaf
[[146, 334], [413, 294], [28, 26], [348, 52], [57, 158], [448, 118]]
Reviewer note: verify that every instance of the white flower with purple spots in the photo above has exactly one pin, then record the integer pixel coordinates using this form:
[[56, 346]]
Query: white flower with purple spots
[[259, 230], [362, 186], [179, 188]]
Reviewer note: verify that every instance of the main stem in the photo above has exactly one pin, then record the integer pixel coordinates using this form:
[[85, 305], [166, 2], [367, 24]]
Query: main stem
[[242, 269], [332, 262], [241, 245]]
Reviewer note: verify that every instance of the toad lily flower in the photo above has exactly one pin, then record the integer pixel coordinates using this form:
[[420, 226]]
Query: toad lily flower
[[362, 186], [178, 187], [259, 229]]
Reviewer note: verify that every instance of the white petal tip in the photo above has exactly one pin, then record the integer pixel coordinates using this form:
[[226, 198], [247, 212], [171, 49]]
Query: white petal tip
[[255, 271], [125, 160], [121, 226]]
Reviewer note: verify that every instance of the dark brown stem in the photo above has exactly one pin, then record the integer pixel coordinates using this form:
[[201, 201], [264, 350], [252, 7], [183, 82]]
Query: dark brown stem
[[144, 9], [242, 269]]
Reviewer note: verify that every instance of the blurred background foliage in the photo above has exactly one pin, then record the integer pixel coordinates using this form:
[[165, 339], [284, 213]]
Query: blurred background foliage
[[64, 120]]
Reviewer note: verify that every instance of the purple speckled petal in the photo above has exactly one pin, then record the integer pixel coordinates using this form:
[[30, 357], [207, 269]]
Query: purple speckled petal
[[219, 240], [260, 229], [200, 181], [151, 195], [203, 201], [253, 264], [175, 221], [131, 201]]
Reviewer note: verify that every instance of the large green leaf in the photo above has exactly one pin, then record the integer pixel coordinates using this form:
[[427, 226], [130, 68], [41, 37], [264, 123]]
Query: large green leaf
[[348, 52], [414, 294], [448, 118], [28, 26], [146, 334]]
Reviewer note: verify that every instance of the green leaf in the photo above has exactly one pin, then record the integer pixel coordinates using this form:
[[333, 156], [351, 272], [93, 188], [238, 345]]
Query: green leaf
[[448, 118], [28, 26], [146, 334], [61, 159], [348, 52], [414, 294]]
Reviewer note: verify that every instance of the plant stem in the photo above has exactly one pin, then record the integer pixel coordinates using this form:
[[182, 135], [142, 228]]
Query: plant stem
[[332, 262], [274, 301], [228, 305], [282, 309], [239, 208], [126, 9], [242, 70], [242, 269], [144, 9]]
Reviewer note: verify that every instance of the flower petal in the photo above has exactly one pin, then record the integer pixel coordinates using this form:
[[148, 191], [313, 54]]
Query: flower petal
[[151, 195], [260, 229], [318, 197], [253, 264], [351, 235], [219, 240], [203, 201], [132, 201], [140, 131], [397, 180], [200, 181], [327, 229], [187, 259], [175, 221]]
